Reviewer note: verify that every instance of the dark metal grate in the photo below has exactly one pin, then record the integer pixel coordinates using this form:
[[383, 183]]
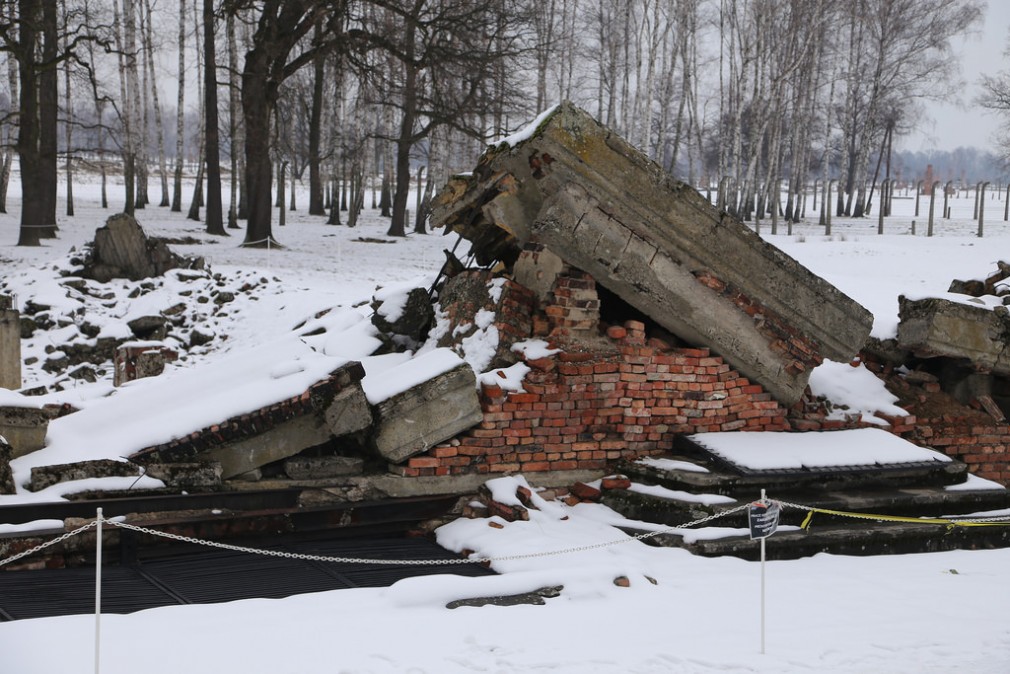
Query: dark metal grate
[[218, 576]]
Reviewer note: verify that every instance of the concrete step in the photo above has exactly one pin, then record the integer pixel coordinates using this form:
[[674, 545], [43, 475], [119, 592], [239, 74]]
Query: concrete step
[[908, 502], [721, 479], [860, 539]]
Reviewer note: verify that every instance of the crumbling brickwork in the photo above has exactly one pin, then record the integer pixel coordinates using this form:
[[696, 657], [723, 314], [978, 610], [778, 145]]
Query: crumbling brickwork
[[583, 410]]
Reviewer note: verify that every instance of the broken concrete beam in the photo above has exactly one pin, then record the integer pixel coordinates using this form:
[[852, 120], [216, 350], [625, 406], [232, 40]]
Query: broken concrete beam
[[429, 411], [193, 475], [47, 476], [322, 467], [333, 407], [971, 330], [605, 208]]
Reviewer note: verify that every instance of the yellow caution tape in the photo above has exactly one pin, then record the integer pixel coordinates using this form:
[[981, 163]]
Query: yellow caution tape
[[896, 518]]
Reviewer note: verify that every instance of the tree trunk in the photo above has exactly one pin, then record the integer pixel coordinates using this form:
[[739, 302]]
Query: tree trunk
[[68, 125], [214, 213], [315, 133], [48, 108], [32, 208], [159, 124], [233, 126], [180, 118]]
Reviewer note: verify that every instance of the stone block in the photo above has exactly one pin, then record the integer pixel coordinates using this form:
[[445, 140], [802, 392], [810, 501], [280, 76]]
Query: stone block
[[190, 475], [322, 467], [10, 348], [25, 428], [348, 412], [432, 412], [961, 330], [6, 474], [280, 442], [47, 476]]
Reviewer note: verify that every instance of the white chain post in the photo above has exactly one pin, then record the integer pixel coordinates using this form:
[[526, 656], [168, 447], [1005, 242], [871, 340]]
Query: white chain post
[[98, 591]]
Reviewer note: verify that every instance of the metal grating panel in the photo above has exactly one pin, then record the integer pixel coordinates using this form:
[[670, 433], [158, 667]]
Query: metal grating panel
[[218, 576]]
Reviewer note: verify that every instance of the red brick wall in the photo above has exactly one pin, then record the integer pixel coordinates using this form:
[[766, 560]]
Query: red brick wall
[[583, 410], [622, 395]]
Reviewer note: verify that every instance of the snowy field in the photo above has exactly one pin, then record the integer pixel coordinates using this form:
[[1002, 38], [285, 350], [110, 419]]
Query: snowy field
[[941, 612]]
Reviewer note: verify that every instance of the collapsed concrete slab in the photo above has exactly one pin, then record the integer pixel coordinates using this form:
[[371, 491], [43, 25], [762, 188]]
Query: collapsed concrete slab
[[971, 330], [330, 409], [602, 206], [430, 410]]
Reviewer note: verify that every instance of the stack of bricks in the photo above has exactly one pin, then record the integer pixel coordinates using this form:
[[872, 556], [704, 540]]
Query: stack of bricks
[[575, 306], [983, 445], [585, 410]]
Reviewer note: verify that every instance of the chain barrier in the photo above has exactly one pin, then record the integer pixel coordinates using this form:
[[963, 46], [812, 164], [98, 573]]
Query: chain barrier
[[416, 562], [55, 541], [949, 522]]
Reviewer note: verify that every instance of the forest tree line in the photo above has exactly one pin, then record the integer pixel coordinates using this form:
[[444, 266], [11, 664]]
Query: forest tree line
[[752, 95]]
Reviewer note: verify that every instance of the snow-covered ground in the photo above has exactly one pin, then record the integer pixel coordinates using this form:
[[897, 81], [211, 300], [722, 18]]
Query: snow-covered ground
[[940, 612]]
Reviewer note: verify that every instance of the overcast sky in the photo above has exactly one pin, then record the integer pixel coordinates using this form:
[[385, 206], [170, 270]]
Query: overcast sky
[[950, 125]]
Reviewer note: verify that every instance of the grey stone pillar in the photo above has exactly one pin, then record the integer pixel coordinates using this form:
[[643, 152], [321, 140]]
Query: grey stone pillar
[[10, 344]]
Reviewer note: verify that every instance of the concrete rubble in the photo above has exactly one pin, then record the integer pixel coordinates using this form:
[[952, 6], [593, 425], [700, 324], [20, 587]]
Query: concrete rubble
[[600, 205]]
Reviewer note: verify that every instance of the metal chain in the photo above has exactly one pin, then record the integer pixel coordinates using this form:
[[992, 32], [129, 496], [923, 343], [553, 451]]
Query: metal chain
[[416, 562], [43, 546], [925, 520]]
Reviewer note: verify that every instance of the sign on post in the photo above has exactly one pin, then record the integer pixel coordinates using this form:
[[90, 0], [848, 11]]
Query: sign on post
[[763, 517]]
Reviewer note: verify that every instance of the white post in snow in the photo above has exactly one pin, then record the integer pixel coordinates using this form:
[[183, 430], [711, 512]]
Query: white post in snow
[[98, 593], [762, 586]]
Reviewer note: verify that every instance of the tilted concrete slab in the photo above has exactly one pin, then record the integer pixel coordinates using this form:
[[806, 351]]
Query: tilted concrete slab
[[330, 409], [605, 208], [423, 416], [976, 333]]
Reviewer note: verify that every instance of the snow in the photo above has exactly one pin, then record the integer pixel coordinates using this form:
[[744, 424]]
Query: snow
[[913, 614], [409, 374], [526, 132], [853, 389], [815, 450], [671, 464], [678, 495]]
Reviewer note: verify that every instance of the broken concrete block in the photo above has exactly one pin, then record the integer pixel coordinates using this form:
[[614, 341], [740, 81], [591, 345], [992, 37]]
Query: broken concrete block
[[348, 412], [140, 360], [975, 332], [603, 207], [412, 319], [47, 476], [322, 467], [283, 440], [331, 407], [25, 428], [426, 414], [6, 474], [194, 475]]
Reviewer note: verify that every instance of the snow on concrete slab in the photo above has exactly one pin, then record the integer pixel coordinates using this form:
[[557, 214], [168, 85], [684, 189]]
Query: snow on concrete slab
[[679, 495], [824, 449], [671, 464], [409, 374]]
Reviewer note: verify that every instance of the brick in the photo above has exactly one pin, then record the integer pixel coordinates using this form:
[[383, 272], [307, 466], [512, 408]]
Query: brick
[[616, 332]]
